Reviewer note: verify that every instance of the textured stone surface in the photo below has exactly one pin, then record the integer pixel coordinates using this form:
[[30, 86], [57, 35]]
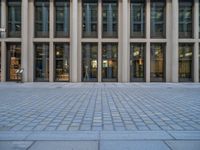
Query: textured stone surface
[[99, 116], [184, 145], [133, 145], [99, 107], [64, 145]]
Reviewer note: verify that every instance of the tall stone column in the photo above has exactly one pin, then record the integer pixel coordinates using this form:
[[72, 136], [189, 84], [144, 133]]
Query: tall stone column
[[168, 37], [24, 44], [99, 38], [175, 13], [51, 46], [125, 41], [3, 61], [3, 44], [74, 41], [196, 36], [30, 41], [148, 29]]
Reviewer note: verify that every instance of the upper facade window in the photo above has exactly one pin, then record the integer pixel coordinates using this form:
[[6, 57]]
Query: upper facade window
[[90, 17], [158, 19], [137, 18], [62, 18], [42, 18], [14, 18], [110, 19], [185, 19]]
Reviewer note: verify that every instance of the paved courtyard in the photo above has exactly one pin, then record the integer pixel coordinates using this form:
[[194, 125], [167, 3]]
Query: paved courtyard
[[101, 114]]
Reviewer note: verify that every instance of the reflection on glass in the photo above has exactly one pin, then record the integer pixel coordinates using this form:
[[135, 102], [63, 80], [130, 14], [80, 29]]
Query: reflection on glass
[[137, 63], [41, 62], [185, 62], [41, 18], [158, 18], [90, 15], [158, 62], [137, 18], [110, 19], [0, 63], [0, 16], [62, 18], [14, 18], [13, 61], [109, 62], [62, 66], [89, 62], [185, 18]]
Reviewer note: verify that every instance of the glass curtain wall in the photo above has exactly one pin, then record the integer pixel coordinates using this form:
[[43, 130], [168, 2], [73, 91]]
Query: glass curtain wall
[[137, 62], [158, 19], [14, 18], [62, 18], [157, 62], [41, 18], [185, 19], [110, 18], [13, 61], [185, 62], [110, 62], [89, 18], [89, 62], [62, 62], [41, 62], [137, 15]]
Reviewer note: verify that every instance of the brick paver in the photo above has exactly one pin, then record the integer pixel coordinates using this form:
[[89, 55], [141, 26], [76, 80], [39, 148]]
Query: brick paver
[[99, 107]]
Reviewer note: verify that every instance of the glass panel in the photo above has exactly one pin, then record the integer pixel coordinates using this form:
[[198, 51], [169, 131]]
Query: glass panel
[[0, 17], [158, 19], [137, 62], [89, 62], [13, 60], [185, 62], [158, 62], [185, 19], [90, 15], [62, 10], [41, 62], [137, 19], [0, 62], [41, 18], [110, 19], [14, 18], [62, 65], [109, 62]]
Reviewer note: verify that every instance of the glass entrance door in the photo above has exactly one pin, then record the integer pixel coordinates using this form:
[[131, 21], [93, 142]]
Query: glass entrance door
[[13, 61], [137, 62], [109, 62], [41, 62], [89, 62]]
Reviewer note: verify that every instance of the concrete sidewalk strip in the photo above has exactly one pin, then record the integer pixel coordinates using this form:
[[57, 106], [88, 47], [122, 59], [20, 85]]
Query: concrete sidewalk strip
[[184, 145], [133, 145], [136, 135], [15, 145], [76, 135], [12, 135], [189, 135], [85, 135], [65, 145]]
